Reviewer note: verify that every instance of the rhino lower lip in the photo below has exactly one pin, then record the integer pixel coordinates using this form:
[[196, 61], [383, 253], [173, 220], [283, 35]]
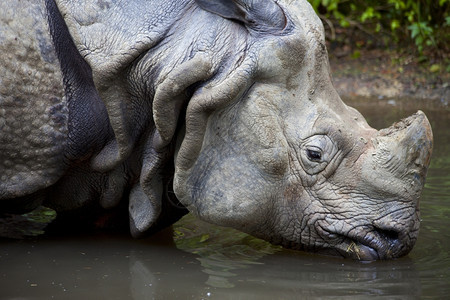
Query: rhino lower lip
[[353, 249], [362, 252], [378, 244], [373, 246]]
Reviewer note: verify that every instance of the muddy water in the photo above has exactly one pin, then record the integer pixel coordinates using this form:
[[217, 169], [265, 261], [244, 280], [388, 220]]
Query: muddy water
[[200, 261]]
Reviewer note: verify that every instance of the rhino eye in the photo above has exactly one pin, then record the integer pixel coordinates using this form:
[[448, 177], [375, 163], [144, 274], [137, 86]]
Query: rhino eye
[[314, 155], [317, 152]]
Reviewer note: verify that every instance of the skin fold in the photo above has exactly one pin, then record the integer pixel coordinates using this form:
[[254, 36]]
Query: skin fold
[[222, 108]]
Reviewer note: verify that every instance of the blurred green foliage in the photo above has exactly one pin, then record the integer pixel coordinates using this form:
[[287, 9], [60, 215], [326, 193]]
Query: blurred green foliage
[[424, 24]]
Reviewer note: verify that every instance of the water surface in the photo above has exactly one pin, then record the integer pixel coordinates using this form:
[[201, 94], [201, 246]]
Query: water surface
[[196, 260]]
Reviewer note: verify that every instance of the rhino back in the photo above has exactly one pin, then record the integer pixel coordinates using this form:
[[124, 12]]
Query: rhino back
[[33, 110]]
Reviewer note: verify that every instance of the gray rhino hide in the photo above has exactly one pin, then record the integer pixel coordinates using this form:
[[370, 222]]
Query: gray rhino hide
[[231, 98]]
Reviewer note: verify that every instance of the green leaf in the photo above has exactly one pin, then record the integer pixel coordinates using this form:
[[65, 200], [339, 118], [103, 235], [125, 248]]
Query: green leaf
[[398, 4], [356, 54], [204, 238], [410, 15], [414, 28], [367, 14], [378, 27], [315, 4], [435, 68], [395, 24], [344, 23]]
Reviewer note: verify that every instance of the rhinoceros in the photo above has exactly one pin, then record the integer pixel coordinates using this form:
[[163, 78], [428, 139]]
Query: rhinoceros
[[225, 108]]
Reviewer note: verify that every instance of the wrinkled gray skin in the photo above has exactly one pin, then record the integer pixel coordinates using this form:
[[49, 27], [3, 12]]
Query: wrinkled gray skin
[[236, 94]]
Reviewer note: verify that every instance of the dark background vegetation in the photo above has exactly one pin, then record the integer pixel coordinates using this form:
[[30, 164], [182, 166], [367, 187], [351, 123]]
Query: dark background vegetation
[[405, 42]]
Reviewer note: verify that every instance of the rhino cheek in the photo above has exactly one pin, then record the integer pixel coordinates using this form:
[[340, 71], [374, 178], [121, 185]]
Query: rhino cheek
[[238, 172], [223, 195]]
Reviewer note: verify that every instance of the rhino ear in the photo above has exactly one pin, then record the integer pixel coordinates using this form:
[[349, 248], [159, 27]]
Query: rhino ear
[[228, 9], [257, 15]]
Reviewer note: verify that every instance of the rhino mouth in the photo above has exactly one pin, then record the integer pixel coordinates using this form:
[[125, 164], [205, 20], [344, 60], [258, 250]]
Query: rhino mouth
[[376, 244]]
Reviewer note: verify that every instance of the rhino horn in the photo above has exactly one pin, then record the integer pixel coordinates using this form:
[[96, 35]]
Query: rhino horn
[[401, 157]]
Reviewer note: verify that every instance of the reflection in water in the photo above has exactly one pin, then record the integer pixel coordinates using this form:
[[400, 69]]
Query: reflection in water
[[235, 260], [116, 267], [198, 261], [221, 251]]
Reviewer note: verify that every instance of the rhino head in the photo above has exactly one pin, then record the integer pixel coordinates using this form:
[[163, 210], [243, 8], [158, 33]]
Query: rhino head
[[287, 161], [238, 96]]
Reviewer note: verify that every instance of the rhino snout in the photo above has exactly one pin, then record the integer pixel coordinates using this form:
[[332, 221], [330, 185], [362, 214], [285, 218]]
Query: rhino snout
[[393, 176]]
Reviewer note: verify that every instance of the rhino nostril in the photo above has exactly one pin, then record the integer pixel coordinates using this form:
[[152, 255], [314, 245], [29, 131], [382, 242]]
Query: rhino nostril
[[390, 235]]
